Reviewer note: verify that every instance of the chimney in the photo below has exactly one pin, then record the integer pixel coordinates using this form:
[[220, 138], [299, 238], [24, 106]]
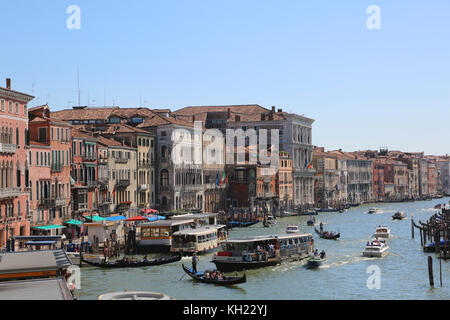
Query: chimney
[[273, 108], [229, 113], [8, 83], [280, 110]]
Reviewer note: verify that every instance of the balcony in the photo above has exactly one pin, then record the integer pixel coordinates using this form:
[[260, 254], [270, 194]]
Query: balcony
[[56, 167], [121, 160], [103, 161], [8, 148], [90, 157], [53, 202], [92, 183], [122, 183], [143, 187], [80, 207], [145, 164], [9, 193]]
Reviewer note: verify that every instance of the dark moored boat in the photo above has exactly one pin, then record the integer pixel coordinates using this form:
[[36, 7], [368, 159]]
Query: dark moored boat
[[399, 215], [138, 264], [225, 282], [328, 235]]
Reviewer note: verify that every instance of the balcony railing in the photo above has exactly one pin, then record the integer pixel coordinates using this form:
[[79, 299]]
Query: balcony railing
[[92, 183], [80, 207], [90, 157], [53, 202], [9, 193], [103, 161], [8, 148], [122, 183], [56, 167], [121, 160]]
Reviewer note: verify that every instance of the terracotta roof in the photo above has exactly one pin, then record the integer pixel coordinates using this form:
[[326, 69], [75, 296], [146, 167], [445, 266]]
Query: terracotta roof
[[38, 143], [159, 120], [84, 114], [82, 134], [123, 128], [247, 113], [108, 142]]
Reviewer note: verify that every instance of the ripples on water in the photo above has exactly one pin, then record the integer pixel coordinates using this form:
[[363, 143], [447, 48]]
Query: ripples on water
[[404, 272]]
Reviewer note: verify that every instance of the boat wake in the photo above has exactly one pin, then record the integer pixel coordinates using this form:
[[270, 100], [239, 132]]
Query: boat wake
[[351, 260]]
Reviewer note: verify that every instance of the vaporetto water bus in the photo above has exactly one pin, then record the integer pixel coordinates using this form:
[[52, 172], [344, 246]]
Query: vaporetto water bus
[[262, 251], [199, 240]]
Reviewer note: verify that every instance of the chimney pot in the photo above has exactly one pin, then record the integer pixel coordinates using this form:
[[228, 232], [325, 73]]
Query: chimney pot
[[229, 113], [273, 108], [8, 83], [280, 110]]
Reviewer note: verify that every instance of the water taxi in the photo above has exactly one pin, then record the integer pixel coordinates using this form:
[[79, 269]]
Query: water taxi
[[375, 248], [262, 251], [199, 240], [315, 262], [291, 228], [382, 232], [373, 210], [399, 215]]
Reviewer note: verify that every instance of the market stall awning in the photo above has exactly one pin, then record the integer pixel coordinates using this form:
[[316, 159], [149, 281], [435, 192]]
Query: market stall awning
[[154, 217], [138, 218], [95, 218], [74, 222], [116, 218], [50, 227]]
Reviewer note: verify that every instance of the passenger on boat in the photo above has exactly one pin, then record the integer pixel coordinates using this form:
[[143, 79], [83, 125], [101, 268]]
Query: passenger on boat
[[316, 253], [145, 259], [322, 254]]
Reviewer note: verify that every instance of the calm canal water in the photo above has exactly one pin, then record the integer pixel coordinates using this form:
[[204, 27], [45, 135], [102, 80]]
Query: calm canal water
[[404, 271]]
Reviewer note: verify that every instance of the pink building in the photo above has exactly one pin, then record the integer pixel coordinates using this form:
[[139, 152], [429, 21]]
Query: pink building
[[14, 182]]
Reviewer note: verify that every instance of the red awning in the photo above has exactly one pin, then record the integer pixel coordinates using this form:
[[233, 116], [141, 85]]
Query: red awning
[[138, 218]]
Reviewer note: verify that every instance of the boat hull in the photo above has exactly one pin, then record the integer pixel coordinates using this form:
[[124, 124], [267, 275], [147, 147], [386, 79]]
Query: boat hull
[[226, 282], [315, 263]]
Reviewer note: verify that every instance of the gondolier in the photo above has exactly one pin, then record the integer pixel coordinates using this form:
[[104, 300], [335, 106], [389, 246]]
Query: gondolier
[[321, 226], [194, 262]]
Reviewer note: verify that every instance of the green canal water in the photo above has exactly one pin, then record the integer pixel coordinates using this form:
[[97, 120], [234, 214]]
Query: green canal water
[[403, 271]]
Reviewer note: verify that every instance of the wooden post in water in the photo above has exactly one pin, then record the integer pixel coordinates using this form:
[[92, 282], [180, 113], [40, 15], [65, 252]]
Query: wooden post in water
[[421, 239], [430, 271], [412, 226], [440, 271]]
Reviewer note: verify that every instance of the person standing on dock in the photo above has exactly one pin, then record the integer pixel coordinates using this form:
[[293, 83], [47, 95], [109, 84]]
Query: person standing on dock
[[194, 262]]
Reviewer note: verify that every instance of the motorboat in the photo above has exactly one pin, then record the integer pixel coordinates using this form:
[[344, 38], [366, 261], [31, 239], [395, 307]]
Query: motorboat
[[373, 210], [292, 229], [375, 248], [270, 221], [315, 262], [382, 232], [311, 221], [399, 215]]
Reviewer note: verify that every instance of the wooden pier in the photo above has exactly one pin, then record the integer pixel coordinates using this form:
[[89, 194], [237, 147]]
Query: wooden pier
[[435, 230]]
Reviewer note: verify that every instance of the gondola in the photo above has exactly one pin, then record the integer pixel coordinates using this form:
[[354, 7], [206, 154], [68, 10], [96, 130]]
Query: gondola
[[138, 264], [225, 282], [327, 235]]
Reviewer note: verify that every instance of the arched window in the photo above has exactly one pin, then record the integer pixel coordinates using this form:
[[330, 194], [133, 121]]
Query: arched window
[[164, 178]]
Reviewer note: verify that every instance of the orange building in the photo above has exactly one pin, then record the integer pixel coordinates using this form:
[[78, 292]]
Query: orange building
[[49, 158]]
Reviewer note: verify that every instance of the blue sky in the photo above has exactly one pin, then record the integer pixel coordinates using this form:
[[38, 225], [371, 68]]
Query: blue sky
[[365, 88]]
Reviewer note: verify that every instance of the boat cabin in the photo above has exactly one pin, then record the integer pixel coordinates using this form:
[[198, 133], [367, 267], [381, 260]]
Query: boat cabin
[[200, 219], [198, 240]]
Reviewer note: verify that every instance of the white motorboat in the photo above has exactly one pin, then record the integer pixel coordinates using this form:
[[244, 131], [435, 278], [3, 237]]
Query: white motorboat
[[382, 232], [373, 210], [375, 248], [292, 229]]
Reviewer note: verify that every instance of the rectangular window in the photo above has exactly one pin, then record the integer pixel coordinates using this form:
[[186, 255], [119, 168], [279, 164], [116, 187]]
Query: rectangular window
[[17, 108], [10, 107], [57, 133], [42, 134], [3, 105], [52, 135]]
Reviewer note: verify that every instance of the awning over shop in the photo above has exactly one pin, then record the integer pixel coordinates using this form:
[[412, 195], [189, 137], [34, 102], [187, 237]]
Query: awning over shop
[[74, 222], [154, 217], [116, 218], [50, 227], [149, 211]]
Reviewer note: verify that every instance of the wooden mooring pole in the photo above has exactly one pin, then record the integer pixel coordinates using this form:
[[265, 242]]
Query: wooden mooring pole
[[430, 270], [412, 227]]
